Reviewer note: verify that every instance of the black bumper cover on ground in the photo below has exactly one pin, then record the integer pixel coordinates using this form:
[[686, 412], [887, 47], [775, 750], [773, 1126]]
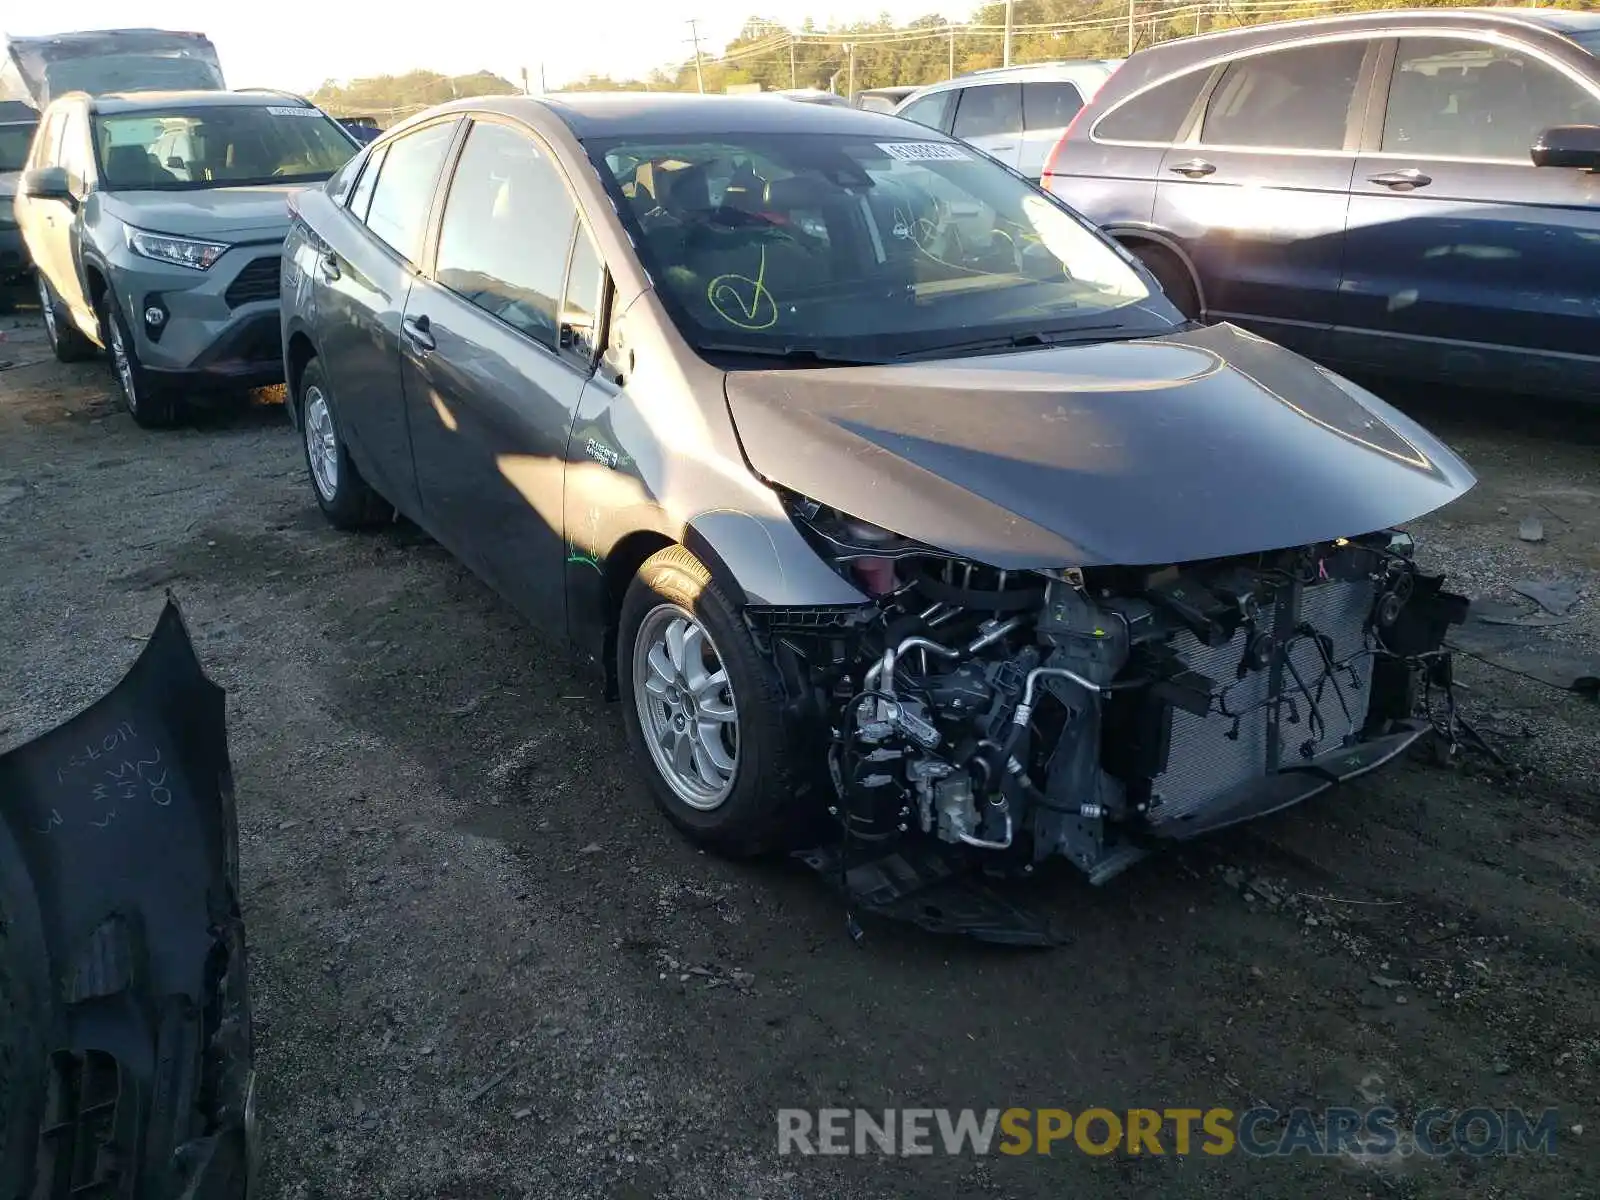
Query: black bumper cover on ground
[[132, 1073]]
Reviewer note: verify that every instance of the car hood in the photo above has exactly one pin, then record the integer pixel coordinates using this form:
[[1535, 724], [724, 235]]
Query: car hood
[[219, 212], [1202, 443], [122, 956]]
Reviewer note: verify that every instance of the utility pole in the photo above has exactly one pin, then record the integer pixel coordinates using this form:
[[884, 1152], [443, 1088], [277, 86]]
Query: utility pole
[[952, 30], [1005, 59], [699, 76], [1132, 16], [792, 82], [542, 89], [850, 79]]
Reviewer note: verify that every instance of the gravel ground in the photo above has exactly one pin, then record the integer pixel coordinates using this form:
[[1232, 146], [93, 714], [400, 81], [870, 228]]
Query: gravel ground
[[484, 967]]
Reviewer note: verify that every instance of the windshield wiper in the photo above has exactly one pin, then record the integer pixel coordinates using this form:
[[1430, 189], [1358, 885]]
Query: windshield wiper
[[801, 355], [1029, 340]]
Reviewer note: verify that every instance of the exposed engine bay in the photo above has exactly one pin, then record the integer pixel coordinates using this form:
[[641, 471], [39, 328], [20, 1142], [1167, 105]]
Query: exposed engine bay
[[1088, 714]]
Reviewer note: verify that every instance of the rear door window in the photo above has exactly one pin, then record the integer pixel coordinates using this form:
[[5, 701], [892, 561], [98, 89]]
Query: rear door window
[[932, 111], [1297, 99], [988, 110], [1454, 98], [403, 194], [1155, 115], [1049, 105]]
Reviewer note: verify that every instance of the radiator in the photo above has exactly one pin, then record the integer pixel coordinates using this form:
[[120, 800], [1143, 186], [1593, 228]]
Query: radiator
[[1203, 761]]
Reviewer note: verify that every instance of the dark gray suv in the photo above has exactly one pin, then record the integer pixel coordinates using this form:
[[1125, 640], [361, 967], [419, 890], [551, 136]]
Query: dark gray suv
[[1402, 192]]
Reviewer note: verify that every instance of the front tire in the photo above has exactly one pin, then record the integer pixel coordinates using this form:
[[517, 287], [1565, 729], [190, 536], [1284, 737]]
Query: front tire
[[66, 342], [148, 405], [704, 711], [346, 499]]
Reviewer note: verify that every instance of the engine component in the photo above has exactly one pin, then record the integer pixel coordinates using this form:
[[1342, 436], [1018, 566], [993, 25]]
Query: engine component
[[1084, 714]]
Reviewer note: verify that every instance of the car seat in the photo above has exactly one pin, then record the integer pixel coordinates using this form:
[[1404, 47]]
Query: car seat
[[134, 165]]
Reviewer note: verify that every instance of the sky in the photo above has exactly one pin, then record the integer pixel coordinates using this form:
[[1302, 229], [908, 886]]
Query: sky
[[344, 39]]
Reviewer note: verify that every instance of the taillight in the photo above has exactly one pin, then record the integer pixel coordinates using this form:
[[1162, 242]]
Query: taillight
[[1061, 144]]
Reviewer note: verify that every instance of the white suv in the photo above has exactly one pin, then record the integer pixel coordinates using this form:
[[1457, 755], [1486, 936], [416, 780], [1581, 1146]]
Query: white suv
[[1015, 114]]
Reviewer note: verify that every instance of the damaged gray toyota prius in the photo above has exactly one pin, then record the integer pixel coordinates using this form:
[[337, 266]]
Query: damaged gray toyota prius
[[886, 488]]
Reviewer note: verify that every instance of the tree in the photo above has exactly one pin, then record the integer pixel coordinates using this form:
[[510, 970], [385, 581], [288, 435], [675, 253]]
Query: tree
[[391, 97]]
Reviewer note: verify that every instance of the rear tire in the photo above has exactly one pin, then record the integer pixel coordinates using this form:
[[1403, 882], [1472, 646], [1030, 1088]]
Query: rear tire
[[346, 499], [1173, 277], [66, 342], [150, 406], [755, 809]]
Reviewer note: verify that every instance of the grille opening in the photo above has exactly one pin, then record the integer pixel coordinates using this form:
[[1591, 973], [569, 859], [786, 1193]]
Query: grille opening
[[257, 281]]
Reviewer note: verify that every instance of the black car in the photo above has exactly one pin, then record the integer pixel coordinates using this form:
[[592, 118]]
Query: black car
[[883, 486], [363, 129], [1398, 192], [18, 122]]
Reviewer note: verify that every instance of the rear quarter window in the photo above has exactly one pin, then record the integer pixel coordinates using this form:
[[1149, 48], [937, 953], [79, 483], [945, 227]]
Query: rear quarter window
[[932, 111], [1155, 115]]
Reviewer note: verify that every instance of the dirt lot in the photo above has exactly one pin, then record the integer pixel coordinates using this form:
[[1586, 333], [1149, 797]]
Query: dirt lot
[[452, 879]]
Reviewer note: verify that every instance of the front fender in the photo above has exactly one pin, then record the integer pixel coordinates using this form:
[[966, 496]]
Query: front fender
[[764, 560]]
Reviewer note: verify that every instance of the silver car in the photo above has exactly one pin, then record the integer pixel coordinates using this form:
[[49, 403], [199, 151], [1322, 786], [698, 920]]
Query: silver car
[[155, 222], [1013, 114]]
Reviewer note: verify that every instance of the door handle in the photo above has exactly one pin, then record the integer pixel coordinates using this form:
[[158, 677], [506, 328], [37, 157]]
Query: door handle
[[416, 331], [1195, 168], [1402, 181], [328, 264]]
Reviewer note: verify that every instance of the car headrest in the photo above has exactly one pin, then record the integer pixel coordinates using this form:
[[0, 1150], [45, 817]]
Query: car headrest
[[130, 163], [684, 190]]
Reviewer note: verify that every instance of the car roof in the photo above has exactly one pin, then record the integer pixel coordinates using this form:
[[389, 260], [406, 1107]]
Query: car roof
[[133, 102], [1028, 73], [679, 114], [1154, 63], [1548, 19]]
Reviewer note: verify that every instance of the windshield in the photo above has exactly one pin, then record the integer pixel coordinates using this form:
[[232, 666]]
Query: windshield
[[14, 142], [218, 146], [858, 247]]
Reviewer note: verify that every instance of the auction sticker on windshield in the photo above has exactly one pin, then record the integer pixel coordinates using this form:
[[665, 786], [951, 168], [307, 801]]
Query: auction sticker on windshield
[[293, 112], [925, 152]]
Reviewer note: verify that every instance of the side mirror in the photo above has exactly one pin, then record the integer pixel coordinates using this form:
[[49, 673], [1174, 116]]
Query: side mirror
[[49, 183], [1568, 146]]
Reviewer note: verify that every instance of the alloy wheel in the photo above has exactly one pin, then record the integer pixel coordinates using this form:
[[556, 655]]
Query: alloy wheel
[[47, 306], [322, 443], [121, 362], [687, 710]]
